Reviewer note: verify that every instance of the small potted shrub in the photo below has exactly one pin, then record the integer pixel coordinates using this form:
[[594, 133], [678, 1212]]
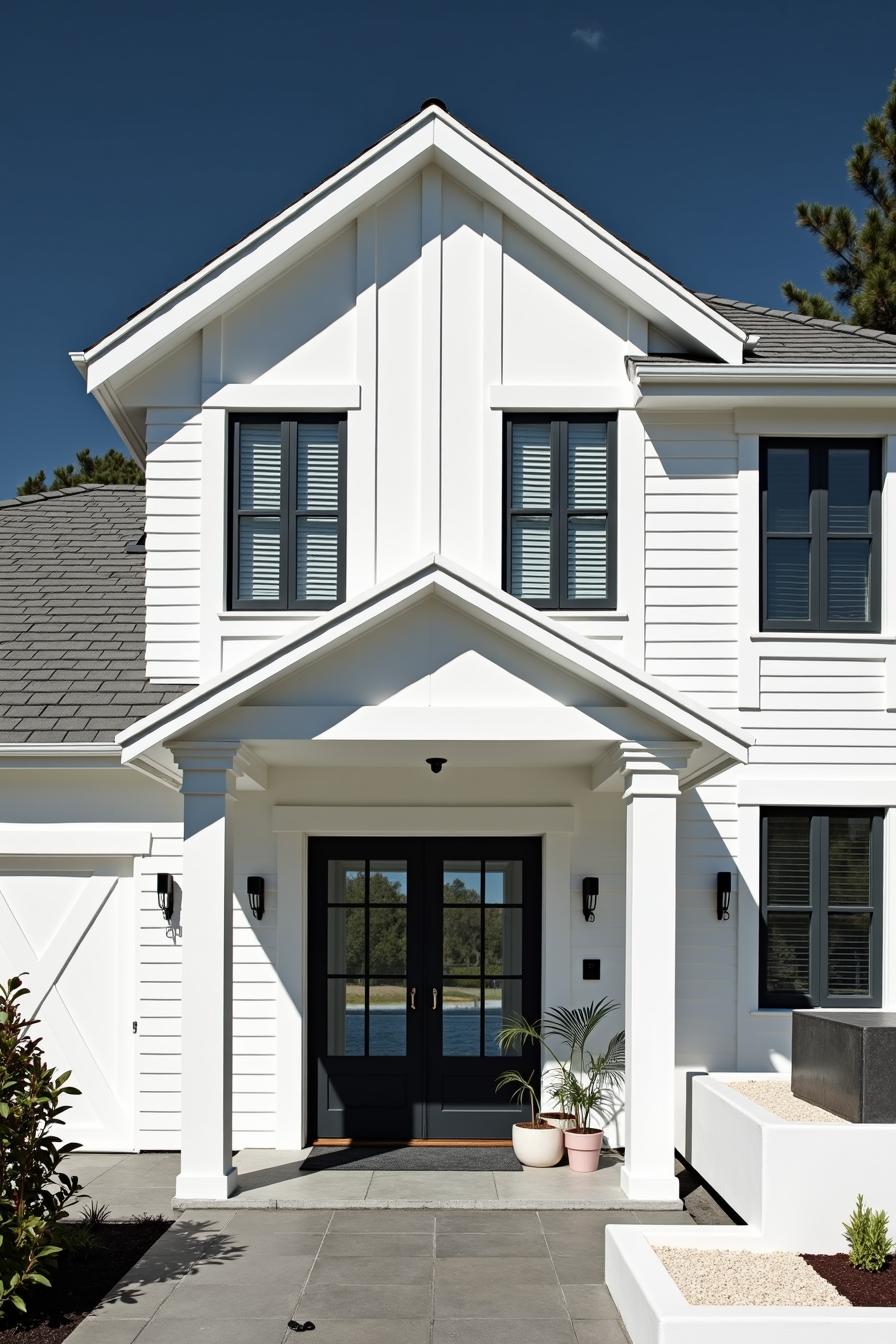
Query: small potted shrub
[[583, 1084], [535, 1143]]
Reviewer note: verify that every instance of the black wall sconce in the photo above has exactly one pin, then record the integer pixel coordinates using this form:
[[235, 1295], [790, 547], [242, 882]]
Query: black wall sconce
[[255, 892], [165, 894], [723, 895], [590, 889]]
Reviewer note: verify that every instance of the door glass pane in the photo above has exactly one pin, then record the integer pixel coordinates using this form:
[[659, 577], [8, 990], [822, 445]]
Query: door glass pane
[[345, 881], [388, 881], [787, 859], [388, 940], [849, 954], [787, 500], [461, 882], [849, 565], [258, 576], [501, 997], [586, 575], [530, 454], [388, 1017], [317, 559], [530, 558], [345, 1017], [504, 882], [261, 457], [787, 579], [849, 483], [787, 962], [503, 942], [461, 1011], [345, 941], [461, 935], [849, 860], [586, 458]]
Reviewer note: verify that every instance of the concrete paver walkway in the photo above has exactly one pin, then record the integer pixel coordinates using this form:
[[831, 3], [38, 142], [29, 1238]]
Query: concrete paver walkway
[[396, 1276]]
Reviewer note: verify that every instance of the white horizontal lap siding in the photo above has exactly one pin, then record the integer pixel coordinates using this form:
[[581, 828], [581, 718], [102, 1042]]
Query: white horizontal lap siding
[[816, 710], [159, 1011], [254, 1024], [173, 471], [706, 948], [691, 559]]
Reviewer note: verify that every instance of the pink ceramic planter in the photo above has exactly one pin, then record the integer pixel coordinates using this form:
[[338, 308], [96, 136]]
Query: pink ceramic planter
[[583, 1150]]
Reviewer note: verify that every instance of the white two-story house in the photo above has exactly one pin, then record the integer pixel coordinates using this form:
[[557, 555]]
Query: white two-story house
[[518, 628]]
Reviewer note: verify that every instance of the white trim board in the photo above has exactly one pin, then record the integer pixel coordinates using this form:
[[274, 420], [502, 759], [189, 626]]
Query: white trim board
[[74, 839], [437, 820]]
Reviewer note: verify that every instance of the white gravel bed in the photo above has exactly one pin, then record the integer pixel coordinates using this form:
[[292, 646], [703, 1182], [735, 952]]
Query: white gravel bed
[[747, 1278], [774, 1095]]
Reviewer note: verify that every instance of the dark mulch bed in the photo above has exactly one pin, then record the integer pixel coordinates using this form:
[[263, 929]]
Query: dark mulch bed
[[79, 1280], [860, 1286]]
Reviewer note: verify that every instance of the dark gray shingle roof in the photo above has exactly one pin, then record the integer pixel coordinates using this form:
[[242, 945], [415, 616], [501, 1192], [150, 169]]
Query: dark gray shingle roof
[[790, 338], [72, 644]]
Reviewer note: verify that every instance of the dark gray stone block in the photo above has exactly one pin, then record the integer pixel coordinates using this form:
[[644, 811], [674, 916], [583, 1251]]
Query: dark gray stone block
[[846, 1063]]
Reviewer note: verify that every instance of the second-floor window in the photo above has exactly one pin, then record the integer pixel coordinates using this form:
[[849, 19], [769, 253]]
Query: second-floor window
[[287, 540], [560, 497], [821, 534]]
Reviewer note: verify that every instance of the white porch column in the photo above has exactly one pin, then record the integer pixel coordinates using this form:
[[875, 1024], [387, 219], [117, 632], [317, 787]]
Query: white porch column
[[651, 793], [208, 787]]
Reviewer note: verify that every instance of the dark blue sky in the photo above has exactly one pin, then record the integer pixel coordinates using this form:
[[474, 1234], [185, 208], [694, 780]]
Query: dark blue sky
[[143, 136]]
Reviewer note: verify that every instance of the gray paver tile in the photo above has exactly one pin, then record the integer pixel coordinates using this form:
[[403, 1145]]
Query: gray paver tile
[[119, 1331], [486, 1220], [379, 1331], [472, 1244], [358, 1243], [576, 1243], [280, 1270], [334, 1301], [192, 1300], [589, 1302], [671, 1216], [584, 1268], [407, 1222], [492, 1330], [278, 1223], [582, 1220], [457, 1271], [134, 1299], [372, 1269], [252, 1330], [535, 1301], [600, 1332]]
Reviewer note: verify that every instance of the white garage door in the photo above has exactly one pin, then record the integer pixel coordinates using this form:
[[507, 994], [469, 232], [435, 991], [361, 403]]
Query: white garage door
[[70, 925]]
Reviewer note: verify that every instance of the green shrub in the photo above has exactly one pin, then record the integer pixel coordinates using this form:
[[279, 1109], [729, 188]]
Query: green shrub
[[867, 1236], [34, 1194]]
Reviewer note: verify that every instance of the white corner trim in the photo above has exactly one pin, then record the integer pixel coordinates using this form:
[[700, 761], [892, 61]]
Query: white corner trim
[[436, 820], [286, 397], [73, 838], [550, 397]]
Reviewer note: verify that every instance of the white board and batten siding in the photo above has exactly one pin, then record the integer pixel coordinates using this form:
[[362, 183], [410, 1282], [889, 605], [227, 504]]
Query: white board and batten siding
[[159, 1012], [173, 488]]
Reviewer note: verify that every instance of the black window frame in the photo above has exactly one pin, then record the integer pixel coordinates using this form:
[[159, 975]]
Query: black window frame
[[818, 535], [288, 513], [560, 512], [819, 907]]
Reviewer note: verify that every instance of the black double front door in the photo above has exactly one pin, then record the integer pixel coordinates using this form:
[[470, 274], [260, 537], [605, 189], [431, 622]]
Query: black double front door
[[417, 951]]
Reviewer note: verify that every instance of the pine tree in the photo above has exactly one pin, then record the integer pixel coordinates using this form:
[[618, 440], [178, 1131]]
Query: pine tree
[[112, 468], [863, 273]]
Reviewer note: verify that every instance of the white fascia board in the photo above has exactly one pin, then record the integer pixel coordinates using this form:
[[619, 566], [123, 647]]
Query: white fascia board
[[505, 614], [74, 838], [67, 754], [302, 226], [547, 397], [772, 374], [589, 246]]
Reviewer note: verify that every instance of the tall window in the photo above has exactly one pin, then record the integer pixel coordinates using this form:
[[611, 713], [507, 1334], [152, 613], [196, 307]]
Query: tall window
[[560, 531], [287, 540], [821, 895], [821, 534]]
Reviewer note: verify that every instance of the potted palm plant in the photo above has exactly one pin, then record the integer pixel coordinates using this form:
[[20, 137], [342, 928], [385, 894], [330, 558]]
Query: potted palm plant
[[536, 1143], [582, 1083]]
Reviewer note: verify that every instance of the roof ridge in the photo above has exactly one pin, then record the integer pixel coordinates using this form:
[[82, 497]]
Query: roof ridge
[[84, 489], [872, 333]]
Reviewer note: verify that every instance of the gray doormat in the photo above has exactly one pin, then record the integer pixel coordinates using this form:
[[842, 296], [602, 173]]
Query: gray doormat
[[364, 1158]]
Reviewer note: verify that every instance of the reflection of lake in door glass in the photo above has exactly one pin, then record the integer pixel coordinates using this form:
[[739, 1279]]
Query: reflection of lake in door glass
[[461, 1005], [345, 1017], [388, 1018]]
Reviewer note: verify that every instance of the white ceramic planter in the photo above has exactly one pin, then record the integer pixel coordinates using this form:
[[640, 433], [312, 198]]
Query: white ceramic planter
[[542, 1147]]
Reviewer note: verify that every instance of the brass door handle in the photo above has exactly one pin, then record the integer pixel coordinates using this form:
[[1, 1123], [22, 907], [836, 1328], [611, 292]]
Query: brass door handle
[[435, 999], [414, 999]]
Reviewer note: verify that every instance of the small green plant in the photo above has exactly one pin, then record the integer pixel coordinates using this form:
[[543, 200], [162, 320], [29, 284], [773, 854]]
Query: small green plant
[[867, 1236], [524, 1090], [95, 1215], [34, 1193]]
